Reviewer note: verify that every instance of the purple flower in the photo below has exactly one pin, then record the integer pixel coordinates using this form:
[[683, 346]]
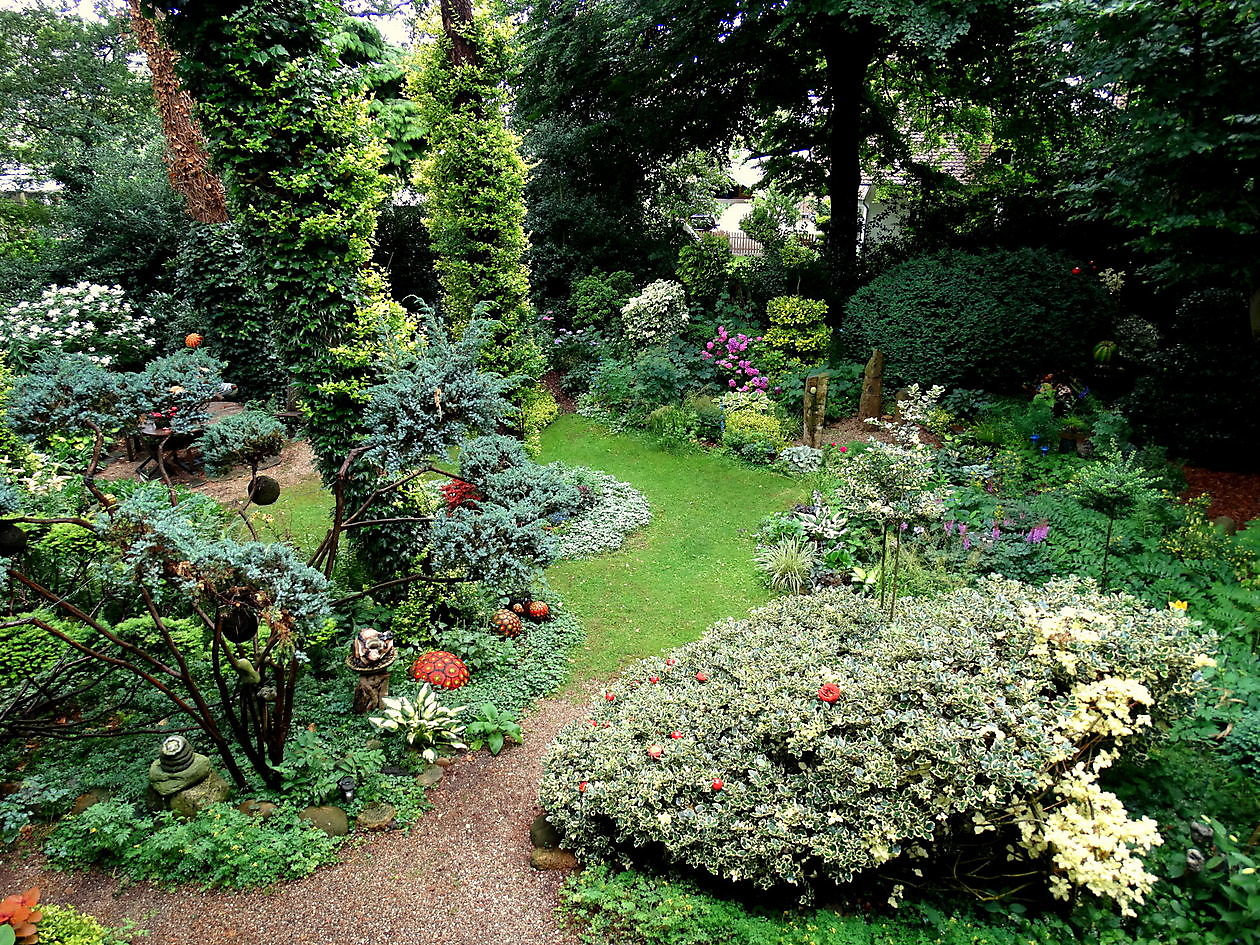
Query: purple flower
[[997, 533], [966, 543], [709, 346], [949, 528], [732, 383]]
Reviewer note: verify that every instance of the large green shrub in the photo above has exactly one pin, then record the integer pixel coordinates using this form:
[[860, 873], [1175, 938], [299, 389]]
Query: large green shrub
[[812, 741], [29, 652], [963, 319]]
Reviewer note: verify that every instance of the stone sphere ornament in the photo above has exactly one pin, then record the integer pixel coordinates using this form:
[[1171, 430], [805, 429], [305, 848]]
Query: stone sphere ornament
[[441, 669], [193, 340], [263, 490], [12, 540], [507, 623], [539, 611]]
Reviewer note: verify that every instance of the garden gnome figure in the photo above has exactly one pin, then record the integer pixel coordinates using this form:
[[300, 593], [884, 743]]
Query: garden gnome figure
[[372, 653]]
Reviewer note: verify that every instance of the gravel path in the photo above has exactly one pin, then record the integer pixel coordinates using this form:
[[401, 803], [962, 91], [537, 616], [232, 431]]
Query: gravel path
[[460, 877]]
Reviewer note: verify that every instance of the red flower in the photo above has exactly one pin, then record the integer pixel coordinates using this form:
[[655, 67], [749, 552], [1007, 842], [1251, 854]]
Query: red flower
[[610, 697], [655, 751], [675, 734], [829, 692], [671, 662], [582, 786], [654, 679], [702, 677], [718, 784]]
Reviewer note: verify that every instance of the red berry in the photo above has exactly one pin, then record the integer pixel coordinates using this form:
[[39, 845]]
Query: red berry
[[671, 662], [610, 697], [702, 677], [829, 692], [675, 734], [655, 751], [1076, 270], [654, 679], [718, 784], [582, 785]]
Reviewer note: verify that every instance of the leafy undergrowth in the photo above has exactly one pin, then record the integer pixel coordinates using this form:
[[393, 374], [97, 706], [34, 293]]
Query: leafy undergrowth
[[637, 909], [689, 568]]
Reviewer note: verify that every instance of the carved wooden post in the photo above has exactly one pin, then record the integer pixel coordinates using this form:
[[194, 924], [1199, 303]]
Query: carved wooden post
[[872, 387], [815, 409]]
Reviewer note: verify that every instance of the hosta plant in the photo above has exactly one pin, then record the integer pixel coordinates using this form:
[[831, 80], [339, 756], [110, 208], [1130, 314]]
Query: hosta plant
[[491, 728], [816, 742], [429, 727]]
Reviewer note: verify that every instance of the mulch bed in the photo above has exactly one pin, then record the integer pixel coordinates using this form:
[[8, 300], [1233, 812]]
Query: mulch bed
[[551, 381], [1234, 494]]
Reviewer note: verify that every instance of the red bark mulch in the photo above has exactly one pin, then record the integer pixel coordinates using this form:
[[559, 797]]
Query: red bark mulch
[[1234, 494]]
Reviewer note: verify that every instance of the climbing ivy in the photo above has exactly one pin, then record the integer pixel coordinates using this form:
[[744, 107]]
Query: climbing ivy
[[302, 168], [473, 179]]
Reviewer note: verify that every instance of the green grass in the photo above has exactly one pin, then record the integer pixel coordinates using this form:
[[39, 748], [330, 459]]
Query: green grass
[[690, 567], [300, 516]]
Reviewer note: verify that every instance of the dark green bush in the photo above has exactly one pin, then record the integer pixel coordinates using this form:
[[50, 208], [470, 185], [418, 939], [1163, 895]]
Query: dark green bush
[[596, 300], [988, 319]]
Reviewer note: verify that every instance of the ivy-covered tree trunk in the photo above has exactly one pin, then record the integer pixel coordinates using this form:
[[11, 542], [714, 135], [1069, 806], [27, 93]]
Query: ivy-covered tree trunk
[[473, 178], [302, 168]]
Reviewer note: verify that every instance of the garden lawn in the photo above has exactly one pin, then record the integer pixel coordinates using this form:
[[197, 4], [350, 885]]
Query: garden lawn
[[690, 567], [301, 515]]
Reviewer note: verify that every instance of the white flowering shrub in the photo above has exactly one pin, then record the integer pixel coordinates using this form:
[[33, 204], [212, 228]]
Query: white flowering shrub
[[656, 314], [95, 320], [619, 510], [813, 741]]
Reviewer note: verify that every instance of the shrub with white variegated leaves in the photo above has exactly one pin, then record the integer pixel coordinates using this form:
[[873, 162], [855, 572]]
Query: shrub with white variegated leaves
[[656, 314], [813, 742]]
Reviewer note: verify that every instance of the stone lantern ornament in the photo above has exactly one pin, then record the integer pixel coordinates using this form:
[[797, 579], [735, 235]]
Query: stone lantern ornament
[[372, 653]]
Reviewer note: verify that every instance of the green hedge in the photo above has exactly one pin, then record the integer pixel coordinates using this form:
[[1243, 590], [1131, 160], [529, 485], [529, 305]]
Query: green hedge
[[990, 319]]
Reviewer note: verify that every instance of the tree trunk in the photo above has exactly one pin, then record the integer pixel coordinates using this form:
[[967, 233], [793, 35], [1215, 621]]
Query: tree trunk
[[187, 160], [457, 17], [848, 49]]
